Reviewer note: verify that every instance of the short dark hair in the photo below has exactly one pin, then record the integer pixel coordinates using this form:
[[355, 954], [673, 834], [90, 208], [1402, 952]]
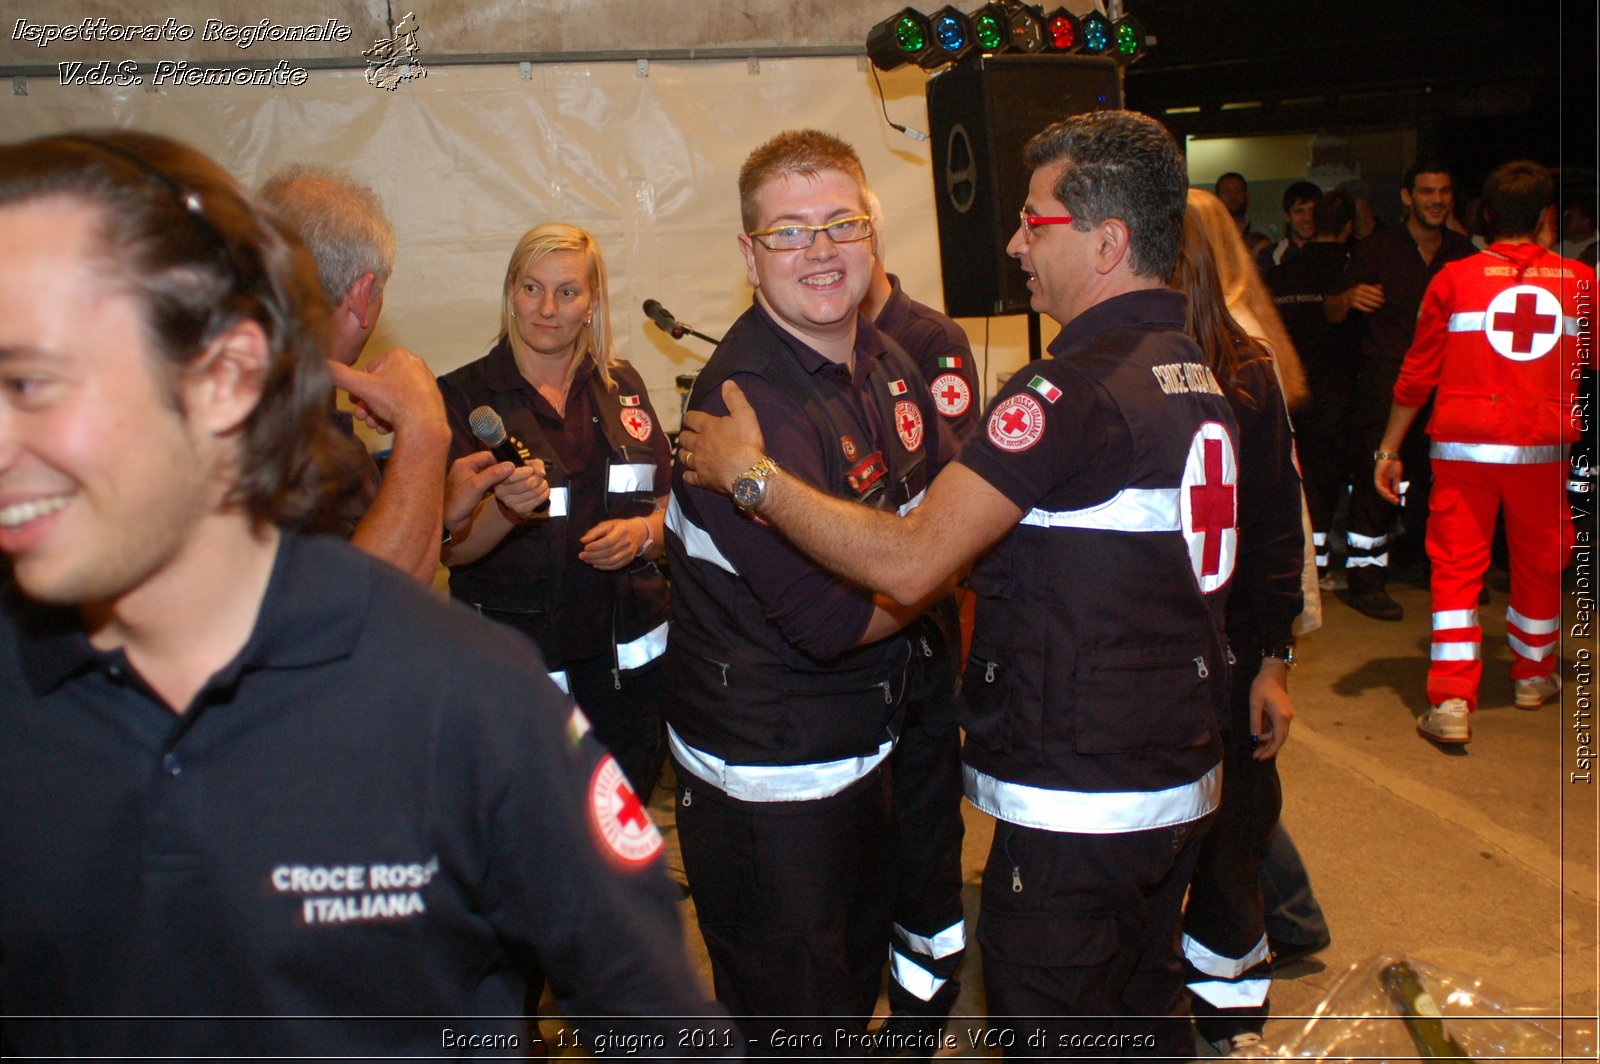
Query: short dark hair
[[1334, 211], [1423, 166], [1122, 165], [1515, 194], [1300, 192], [200, 256], [1233, 174]]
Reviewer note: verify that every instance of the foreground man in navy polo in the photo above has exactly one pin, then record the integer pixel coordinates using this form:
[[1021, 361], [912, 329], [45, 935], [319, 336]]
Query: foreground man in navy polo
[[257, 787], [1104, 481]]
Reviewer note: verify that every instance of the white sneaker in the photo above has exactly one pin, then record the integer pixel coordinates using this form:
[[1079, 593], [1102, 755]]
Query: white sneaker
[[1446, 722], [1535, 692]]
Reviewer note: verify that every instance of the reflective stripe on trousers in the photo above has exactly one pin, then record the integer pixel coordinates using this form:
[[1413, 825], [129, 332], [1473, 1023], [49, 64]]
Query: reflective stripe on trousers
[[775, 783]]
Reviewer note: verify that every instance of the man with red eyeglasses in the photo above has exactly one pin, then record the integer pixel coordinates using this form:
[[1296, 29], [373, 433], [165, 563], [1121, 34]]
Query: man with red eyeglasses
[[1100, 493]]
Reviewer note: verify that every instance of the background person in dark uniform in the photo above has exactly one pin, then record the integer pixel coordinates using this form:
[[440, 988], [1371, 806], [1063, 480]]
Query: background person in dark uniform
[[1224, 931], [1386, 277], [785, 682], [1098, 669], [564, 550], [929, 922], [246, 773], [1299, 202], [1300, 288]]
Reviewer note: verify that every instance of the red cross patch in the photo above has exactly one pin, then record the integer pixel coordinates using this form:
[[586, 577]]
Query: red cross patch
[[908, 422], [1017, 423], [1523, 322], [637, 422], [951, 394], [618, 818], [848, 446], [1208, 505]]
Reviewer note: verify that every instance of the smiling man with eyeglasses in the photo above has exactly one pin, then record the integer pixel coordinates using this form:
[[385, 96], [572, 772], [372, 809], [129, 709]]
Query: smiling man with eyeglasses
[[1101, 497], [784, 681]]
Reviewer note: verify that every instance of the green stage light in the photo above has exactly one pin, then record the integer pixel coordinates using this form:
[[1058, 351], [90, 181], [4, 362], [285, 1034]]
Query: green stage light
[[992, 28], [902, 38], [1128, 36]]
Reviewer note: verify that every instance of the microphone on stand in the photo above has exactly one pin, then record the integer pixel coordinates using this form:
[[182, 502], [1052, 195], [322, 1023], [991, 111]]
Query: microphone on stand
[[672, 326], [663, 319]]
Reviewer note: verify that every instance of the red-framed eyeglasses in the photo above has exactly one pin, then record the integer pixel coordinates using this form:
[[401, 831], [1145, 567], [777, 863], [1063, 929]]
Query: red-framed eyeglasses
[[1033, 221]]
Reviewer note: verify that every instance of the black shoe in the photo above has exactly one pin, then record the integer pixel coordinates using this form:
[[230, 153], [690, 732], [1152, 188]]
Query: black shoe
[[1376, 603], [907, 1037], [1287, 953]]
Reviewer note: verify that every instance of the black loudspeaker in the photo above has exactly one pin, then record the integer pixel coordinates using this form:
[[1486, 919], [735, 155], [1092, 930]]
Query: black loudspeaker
[[980, 114]]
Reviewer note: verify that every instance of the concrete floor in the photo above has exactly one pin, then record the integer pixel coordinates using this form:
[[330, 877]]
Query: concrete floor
[[1479, 859]]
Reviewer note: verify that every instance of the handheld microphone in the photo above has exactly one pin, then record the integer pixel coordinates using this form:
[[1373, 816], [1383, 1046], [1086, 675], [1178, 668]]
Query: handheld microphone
[[490, 429], [662, 317], [491, 432]]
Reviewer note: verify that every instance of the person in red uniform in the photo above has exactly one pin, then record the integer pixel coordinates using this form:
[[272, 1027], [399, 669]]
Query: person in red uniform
[[1497, 336]]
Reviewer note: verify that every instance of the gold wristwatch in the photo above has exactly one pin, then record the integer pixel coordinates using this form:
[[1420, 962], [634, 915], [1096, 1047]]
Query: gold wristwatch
[[750, 487]]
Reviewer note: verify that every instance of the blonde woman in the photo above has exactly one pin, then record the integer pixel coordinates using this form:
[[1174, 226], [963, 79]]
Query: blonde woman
[[564, 548]]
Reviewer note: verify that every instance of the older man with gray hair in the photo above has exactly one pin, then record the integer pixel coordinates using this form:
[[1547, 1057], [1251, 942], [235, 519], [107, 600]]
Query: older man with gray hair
[[343, 225]]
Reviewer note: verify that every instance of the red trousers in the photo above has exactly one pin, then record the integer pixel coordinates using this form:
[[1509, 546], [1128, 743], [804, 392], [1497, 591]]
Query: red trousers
[[1461, 514]]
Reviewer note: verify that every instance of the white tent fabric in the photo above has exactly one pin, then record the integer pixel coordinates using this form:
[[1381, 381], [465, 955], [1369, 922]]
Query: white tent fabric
[[645, 155]]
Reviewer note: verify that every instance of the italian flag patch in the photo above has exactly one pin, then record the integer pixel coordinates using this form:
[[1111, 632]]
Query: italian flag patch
[[951, 362], [897, 387], [1050, 392], [628, 400]]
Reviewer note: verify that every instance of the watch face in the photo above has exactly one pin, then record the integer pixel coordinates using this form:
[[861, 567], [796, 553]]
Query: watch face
[[747, 492]]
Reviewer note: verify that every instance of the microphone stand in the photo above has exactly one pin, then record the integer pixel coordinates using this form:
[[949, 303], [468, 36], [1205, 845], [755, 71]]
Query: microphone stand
[[679, 330]]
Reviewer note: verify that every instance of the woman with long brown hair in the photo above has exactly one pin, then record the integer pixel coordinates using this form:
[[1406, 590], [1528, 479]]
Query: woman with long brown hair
[[1224, 938]]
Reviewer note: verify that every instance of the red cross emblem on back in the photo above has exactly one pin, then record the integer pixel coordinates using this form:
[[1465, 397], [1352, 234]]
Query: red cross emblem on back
[[1522, 323], [1208, 501]]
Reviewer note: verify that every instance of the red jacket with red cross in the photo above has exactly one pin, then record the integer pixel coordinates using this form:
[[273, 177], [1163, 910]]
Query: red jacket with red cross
[[1498, 335]]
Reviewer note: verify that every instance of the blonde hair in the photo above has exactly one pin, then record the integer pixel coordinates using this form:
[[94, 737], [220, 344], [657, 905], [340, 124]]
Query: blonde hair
[[535, 244], [1245, 294]]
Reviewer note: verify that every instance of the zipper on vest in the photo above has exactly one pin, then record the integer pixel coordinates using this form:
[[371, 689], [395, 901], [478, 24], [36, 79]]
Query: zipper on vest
[[988, 672], [723, 665], [927, 651], [888, 692], [616, 680], [1200, 666], [688, 797], [1231, 659]]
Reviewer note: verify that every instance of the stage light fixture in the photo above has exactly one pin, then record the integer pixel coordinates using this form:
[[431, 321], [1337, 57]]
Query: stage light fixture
[[953, 37], [1129, 38], [1061, 30], [904, 37], [1095, 33], [991, 28], [1027, 30]]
